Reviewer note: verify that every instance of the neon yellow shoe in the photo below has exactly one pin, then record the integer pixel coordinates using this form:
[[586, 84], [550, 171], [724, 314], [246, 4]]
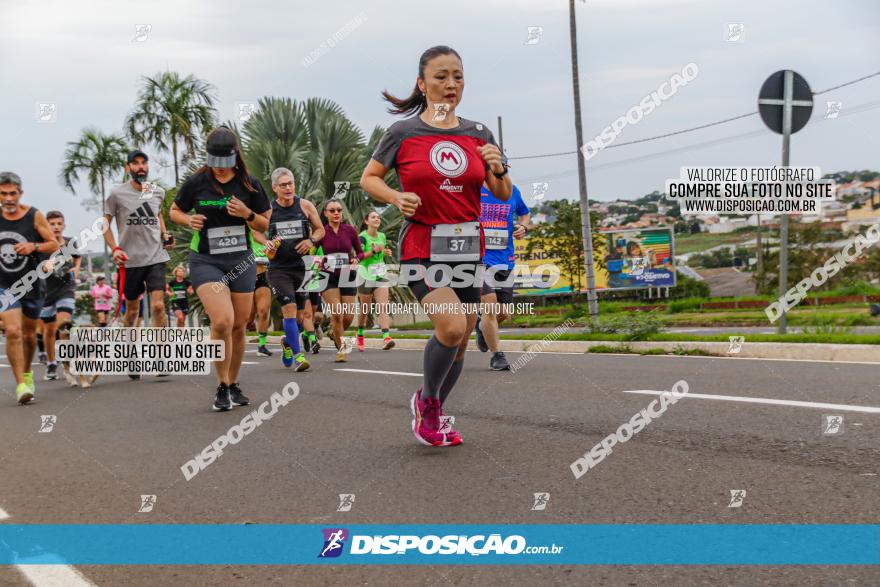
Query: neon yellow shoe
[[301, 362], [23, 393], [29, 379]]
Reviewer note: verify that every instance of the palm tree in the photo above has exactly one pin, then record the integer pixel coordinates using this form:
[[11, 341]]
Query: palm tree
[[316, 140], [99, 157], [172, 113]]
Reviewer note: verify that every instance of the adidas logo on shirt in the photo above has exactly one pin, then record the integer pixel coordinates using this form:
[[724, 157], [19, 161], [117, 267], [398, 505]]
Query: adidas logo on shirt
[[143, 216], [449, 187]]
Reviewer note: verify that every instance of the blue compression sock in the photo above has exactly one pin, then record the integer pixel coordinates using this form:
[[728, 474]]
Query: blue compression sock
[[291, 334]]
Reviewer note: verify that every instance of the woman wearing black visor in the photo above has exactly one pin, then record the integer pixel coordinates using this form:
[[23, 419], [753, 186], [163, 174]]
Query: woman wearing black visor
[[226, 204]]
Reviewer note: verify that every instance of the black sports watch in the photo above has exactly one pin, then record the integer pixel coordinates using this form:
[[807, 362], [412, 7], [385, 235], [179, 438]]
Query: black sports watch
[[251, 216], [503, 173]]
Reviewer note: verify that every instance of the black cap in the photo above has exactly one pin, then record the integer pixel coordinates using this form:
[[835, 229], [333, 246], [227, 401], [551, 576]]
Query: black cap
[[221, 145], [137, 153]]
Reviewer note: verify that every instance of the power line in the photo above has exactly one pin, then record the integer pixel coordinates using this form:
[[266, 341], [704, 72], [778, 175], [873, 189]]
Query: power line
[[875, 74], [704, 144], [691, 129]]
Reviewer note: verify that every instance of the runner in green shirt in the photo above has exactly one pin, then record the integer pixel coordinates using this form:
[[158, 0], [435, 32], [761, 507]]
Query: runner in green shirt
[[312, 313], [262, 294], [376, 285]]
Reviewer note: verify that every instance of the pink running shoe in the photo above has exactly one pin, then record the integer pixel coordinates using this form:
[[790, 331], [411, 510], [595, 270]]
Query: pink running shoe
[[428, 420], [360, 343], [453, 438]]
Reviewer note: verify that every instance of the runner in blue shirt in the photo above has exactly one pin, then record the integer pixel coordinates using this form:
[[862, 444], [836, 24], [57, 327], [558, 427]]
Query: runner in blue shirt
[[502, 221]]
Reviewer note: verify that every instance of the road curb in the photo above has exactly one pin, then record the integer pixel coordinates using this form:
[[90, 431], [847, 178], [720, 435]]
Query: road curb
[[860, 353]]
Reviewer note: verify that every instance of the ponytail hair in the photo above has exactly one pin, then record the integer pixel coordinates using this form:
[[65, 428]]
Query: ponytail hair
[[364, 221], [416, 103]]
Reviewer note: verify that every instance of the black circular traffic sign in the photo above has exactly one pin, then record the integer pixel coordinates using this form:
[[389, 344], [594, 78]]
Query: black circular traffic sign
[[772, 97]]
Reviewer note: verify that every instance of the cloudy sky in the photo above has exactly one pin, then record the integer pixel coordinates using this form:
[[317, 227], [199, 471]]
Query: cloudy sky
[[83, 57]]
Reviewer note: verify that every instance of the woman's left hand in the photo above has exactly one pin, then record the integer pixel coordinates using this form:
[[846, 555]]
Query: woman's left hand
[[492, 155], [236, 207]]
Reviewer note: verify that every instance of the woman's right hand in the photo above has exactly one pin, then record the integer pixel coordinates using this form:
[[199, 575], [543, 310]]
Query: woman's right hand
[[197, 221], [407, 202]]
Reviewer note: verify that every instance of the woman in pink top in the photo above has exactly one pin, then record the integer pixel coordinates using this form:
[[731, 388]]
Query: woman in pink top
[[103, 295]]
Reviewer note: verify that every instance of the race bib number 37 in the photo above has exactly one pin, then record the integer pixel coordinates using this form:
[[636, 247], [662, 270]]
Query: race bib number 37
[[455, 242]]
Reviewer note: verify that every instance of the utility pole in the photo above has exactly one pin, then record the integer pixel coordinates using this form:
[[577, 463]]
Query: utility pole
[[500, 136], [759, 268], [586, 228]]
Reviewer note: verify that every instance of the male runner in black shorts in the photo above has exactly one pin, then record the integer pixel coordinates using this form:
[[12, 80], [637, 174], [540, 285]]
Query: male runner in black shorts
[[57, 313], [293, 225], [141, 254], [24, 236], [502, 222]]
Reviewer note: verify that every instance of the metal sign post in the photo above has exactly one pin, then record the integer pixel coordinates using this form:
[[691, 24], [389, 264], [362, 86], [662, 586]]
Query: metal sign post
[[780, 94]]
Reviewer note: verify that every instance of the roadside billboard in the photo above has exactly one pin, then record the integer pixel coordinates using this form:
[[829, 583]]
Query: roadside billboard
[[631, 259], [639, 258]]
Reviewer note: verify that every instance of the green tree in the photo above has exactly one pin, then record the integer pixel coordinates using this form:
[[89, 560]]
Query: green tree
[[172, 112], [97, 158], [804, 257], [563, 239]]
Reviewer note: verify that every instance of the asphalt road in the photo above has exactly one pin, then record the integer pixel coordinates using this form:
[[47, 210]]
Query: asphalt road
[[348, 432], [696, 330]]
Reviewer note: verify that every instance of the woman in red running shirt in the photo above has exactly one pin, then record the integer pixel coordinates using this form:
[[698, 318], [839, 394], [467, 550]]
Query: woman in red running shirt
[[442, 161]]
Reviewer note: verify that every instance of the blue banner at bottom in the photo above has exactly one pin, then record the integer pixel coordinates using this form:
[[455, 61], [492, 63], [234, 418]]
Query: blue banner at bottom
[[470, 544]]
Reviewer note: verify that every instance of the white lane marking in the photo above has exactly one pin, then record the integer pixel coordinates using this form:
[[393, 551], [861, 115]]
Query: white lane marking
[[250, 362], [762, 400], [50, 575], [763, 359], [54, 576], [505, 352], [380, 372]]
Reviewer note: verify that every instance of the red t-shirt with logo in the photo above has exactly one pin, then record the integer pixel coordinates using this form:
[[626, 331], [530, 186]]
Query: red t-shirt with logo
[[444, 168]]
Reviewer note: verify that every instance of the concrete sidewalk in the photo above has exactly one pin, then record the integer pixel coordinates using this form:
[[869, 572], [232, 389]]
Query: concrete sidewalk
[[847, 353]]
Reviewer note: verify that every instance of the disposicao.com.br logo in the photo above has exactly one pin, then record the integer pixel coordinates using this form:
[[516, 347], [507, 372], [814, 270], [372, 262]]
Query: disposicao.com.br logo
[[431, 544]]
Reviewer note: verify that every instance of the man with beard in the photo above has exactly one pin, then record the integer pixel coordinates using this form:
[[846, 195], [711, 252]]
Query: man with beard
[[141, 253]]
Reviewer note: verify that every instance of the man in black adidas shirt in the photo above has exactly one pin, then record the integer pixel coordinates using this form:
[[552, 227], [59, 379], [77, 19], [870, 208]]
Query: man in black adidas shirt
[[141, 253]]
